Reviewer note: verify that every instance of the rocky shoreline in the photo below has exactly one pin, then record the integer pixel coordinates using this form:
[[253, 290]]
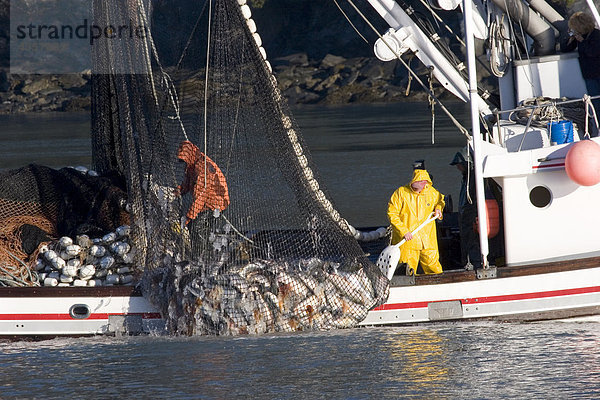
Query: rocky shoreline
[[338, 80], [330, 80], [43, 93]]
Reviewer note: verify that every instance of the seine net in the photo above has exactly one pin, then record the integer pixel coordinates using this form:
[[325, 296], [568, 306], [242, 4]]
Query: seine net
[[229, 221], [39, 204]]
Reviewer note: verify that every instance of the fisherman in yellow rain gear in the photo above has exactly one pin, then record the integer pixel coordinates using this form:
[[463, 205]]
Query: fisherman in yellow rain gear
[[408, 207]]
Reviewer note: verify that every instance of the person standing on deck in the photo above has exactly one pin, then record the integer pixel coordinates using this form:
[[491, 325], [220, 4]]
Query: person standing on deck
[[408, 207], [586, 38], [467, 212]]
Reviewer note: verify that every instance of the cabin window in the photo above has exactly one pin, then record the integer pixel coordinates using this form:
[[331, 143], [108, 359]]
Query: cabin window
[[540, 196]]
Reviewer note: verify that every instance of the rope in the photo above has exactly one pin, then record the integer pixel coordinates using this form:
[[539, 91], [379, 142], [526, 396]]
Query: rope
[[439, 19], [432, 106], [525, 45], [589, 105], [496, 34], [350, 22], [410, 77], [142, 14], [235, 229], [189, 41], [423, 23], [166, 78], [416, 77], [175, 100], [237, 115], [206, 90]]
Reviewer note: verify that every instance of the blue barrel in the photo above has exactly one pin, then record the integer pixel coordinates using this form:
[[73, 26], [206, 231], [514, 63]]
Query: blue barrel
[[561, 132]]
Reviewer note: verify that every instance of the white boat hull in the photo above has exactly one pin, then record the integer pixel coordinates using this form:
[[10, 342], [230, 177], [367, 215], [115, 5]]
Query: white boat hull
[[573, 294], [555, 295], [43, 312]]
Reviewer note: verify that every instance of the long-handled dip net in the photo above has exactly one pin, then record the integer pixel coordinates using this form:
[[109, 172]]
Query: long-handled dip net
[[228, 221]]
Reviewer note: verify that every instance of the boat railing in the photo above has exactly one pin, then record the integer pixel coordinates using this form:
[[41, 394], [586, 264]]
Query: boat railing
[[553, 115]]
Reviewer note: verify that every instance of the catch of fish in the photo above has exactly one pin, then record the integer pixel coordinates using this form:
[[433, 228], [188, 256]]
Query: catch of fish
[[262, 296]]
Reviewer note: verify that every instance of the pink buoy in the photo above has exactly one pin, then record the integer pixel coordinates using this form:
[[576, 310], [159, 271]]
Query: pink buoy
[[583, 163]]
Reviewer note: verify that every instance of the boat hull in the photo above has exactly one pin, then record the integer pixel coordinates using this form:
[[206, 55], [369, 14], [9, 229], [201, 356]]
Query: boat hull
[[44, 312], [555, 295], [515, 294]]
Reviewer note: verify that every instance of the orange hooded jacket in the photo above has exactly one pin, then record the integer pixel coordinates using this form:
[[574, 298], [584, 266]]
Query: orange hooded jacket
[[208, 186]]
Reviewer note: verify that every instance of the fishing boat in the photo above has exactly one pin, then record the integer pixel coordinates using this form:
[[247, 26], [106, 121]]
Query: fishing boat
[[549, 267]]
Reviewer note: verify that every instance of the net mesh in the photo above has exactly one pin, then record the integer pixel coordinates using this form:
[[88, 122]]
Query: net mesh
[[39, 204], [233, 230]]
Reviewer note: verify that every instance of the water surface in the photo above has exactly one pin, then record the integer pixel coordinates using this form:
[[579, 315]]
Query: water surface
[[438, 361]]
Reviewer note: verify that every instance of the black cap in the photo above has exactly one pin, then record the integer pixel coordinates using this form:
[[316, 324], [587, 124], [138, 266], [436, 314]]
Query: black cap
[[418, 164]]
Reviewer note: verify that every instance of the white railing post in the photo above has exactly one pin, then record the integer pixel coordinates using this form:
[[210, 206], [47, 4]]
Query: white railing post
[[476, 134]]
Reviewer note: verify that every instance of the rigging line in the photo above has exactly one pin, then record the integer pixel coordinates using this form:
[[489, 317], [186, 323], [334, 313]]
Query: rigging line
[[166, 78], [416, 77], [468, 183], [438, 18], [410, 77], [237, 110], [427, 27], [510, 24], [530, 77], [175, 100], [515, 39], [432, 12], [235, 230], [350, 22], [185, 48], [432, 105], [141, 11], [447, 27], [175, 97], [206, 88]]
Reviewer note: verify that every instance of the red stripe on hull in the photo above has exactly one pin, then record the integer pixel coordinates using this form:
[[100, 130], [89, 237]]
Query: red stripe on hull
[[495, 299], [63, 317]]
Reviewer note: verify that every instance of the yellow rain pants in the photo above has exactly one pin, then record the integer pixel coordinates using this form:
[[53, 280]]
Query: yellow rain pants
[[407, 209]]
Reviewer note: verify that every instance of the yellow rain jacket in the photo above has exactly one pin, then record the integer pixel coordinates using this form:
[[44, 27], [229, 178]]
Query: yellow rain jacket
[[407, 209]]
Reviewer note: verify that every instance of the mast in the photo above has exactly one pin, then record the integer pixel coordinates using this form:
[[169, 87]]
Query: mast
[[476, 134]]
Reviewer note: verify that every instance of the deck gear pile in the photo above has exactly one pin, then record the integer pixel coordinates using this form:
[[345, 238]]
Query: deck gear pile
[[39, 204], [231, 225], [85, 261]]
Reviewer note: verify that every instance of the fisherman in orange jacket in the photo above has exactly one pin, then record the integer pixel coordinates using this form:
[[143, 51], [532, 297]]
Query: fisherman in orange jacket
[[408, 207], [204, 179]]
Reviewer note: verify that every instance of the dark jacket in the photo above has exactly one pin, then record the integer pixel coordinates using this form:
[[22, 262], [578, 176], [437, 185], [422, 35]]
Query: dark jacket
[[589, 54]]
